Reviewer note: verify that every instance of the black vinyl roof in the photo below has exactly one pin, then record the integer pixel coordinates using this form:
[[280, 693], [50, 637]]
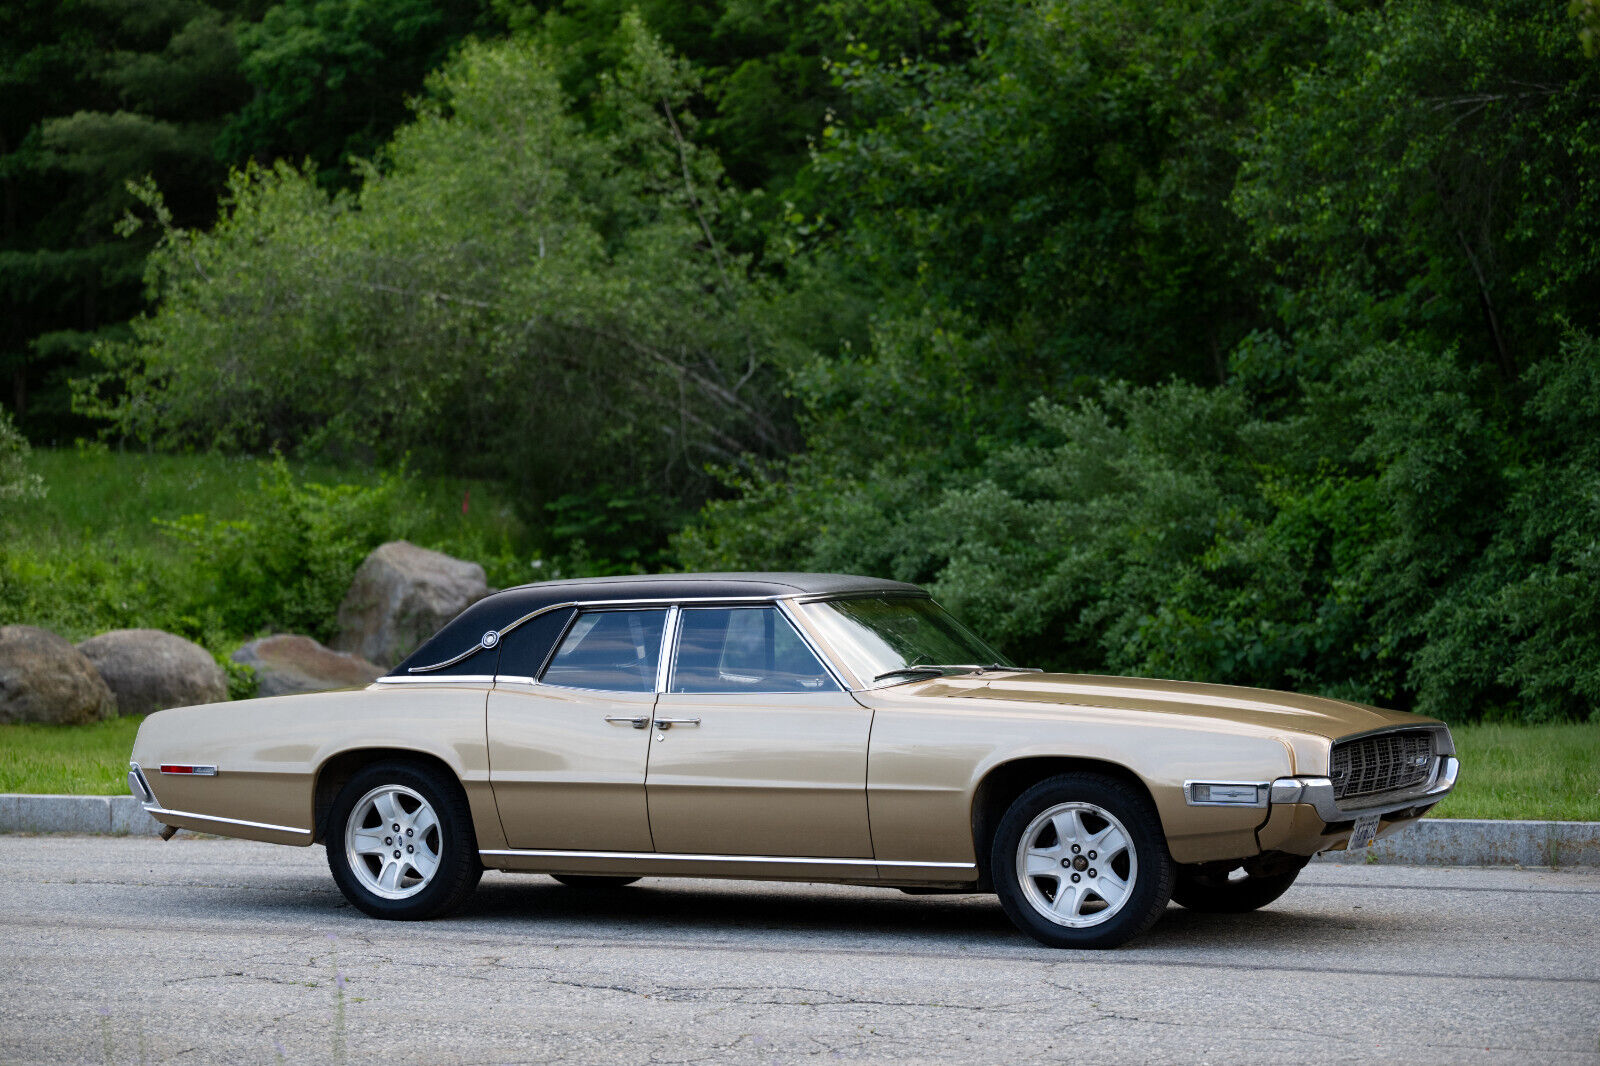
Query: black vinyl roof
[[498, 610]]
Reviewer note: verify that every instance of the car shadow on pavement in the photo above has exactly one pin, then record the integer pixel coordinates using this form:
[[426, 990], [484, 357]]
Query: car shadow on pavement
[[822, 916], [865, 917]]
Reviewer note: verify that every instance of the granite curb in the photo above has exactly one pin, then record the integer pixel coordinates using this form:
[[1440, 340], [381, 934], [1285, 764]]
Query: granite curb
[[1431, 842], [1482, 842], [102, 815]]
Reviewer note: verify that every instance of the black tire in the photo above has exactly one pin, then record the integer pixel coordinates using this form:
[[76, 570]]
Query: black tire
[[1209, 891], [1138, 848], [451, 838], [593, 882]]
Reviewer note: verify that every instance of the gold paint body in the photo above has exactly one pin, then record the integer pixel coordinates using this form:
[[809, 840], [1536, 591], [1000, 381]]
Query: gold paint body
[[881, 781]]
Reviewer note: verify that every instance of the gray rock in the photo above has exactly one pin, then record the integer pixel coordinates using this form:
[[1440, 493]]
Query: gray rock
[[45, 679], [151, 670], [401, 595], [288, 663]]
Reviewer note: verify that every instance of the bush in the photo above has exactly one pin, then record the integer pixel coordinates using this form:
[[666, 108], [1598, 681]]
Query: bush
[[288, 564], [1397, 534]]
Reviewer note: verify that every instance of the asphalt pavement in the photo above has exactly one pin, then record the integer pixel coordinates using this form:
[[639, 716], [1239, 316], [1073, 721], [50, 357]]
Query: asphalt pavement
[[130, 950]]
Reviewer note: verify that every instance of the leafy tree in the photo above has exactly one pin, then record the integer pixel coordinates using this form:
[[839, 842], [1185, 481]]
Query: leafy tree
[[1378, 264], [16, 481], [766, 89], [97, 93], [331, 78], [1433, 175], [510, 295]]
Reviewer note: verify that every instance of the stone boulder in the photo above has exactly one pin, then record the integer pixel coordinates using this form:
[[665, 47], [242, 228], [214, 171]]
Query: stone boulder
[[45, 679], [151, 670], [400, 597], [288, 663]]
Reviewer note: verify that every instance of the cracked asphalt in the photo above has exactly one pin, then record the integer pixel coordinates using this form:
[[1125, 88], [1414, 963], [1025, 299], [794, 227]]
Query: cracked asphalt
[[134, 951]]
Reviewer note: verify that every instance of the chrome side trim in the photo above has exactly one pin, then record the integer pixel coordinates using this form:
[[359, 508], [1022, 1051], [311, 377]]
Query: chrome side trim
[[480, 646], [495, 636], [669, 647], [786, 608], [490, 639], [1318, 792], [448, 679], [801, 860], [157, 812]]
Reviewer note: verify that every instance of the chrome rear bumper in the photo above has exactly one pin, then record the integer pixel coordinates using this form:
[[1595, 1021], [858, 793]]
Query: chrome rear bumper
[[139, 786]]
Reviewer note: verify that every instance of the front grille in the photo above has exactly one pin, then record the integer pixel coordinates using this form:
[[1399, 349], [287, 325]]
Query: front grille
[[1386, 762]]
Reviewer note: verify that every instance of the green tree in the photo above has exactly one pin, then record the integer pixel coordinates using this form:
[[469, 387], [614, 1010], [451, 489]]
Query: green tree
[[97, 93], [330, 79], [1434, 175], [1366, 279], [511, 295]]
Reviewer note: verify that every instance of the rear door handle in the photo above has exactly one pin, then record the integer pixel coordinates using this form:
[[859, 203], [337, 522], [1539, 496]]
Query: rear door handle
[[662, 723], [638, 721]]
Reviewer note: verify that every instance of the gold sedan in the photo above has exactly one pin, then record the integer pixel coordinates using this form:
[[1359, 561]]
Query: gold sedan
[[803, 727]]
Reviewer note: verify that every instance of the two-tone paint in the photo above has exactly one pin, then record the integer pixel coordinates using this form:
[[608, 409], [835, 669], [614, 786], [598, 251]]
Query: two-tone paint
[[893, 783]]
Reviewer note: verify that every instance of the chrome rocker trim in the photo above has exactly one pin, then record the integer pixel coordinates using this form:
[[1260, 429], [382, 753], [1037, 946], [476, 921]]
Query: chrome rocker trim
[[1318, 792], [802, 860], [157, 812]]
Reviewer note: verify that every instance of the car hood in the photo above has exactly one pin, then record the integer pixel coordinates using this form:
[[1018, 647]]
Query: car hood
[[1265, 708]]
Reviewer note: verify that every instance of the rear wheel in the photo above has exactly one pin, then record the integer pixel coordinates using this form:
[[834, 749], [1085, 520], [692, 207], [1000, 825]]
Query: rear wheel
[[1212, 890], [1079, 861], [597, 882], [400, 842]]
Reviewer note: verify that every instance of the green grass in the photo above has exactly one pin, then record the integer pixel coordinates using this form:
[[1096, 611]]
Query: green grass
[[86, 760], [112, 499], [1518, 771], [90, 555], [1550, 771]]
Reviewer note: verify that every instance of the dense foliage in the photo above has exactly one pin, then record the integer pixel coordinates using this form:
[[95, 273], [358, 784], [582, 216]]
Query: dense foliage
[[513, 295], [1386, 258], [1246, 341]]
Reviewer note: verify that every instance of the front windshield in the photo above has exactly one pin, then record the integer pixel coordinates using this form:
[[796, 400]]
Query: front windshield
[[879, 635]]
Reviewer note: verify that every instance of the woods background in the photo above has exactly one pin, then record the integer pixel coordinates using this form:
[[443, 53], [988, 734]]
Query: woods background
[[1251, 342]]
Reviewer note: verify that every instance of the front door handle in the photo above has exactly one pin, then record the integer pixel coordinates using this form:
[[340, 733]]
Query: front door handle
[[639, 721], [662, 723]]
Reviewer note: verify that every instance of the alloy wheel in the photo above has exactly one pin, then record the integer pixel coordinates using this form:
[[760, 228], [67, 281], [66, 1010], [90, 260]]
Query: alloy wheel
[[1076, 864]]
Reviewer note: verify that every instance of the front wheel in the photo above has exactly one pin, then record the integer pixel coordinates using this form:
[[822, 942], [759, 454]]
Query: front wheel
[[401, 844], [1079, 861], [1220, 891]]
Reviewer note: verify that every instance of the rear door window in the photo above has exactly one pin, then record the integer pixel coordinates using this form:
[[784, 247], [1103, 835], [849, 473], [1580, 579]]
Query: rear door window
[[613, 651]]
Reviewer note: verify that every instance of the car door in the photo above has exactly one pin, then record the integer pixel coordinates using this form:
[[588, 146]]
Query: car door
[[756, 748], [568, 748]]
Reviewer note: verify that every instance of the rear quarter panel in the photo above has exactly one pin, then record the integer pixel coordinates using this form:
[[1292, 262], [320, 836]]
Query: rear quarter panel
[[268, 753]]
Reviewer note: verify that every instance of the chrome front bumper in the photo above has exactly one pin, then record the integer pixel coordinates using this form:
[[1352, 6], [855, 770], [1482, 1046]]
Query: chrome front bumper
[[1318, 792]]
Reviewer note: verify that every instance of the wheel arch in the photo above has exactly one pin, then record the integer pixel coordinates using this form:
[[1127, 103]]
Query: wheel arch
[[337, 770], [1003, 783]]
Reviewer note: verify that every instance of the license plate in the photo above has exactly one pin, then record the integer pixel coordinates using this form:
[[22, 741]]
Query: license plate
[[1365, 832]]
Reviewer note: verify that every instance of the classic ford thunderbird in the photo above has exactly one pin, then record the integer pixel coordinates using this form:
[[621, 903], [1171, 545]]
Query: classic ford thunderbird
[[804, 727]]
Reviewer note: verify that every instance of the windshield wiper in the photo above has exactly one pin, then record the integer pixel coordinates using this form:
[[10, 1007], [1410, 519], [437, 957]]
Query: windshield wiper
[[910, 671]]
